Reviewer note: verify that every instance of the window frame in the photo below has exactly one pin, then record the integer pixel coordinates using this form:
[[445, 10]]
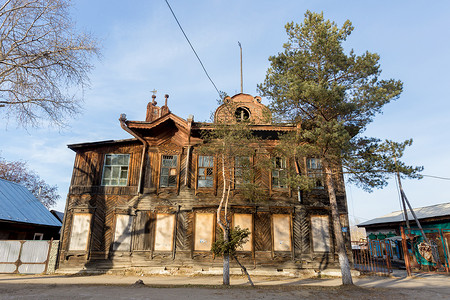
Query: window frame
[[204, 176], [316, 172], [242, 114], [120, 166], [240, 167], [282, 172], [38, 236], [173, 166]]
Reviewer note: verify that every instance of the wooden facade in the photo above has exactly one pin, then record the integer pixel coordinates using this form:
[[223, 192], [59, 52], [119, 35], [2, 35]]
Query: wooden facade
[[161, 217]]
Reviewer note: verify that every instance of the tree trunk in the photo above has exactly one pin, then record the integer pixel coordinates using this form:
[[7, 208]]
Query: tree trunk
[[226, 262], [340, 244], [224, 226]]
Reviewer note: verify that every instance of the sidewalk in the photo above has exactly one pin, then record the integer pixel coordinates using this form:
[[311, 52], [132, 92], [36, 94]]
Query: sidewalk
[[110, 287], [398, 280]]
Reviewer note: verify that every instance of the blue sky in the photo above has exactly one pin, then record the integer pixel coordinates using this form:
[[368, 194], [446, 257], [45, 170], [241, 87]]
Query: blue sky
[[143, 49]]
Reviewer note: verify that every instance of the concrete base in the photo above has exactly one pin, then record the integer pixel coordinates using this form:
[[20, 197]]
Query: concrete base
[[134, 271]]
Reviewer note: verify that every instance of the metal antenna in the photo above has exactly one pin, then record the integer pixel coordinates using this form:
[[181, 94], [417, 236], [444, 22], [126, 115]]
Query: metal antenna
[[242, 82]]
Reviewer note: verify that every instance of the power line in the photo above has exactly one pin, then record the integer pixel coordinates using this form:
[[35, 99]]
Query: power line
[[192, 47], [437, 177], [383, 171], [358, 217]]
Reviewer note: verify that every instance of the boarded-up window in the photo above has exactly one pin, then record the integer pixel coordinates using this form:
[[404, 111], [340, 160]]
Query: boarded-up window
[[164, 232], [244, 221], [122, 234], [281, 232], [320, 233], [80, 232], [204, 228]]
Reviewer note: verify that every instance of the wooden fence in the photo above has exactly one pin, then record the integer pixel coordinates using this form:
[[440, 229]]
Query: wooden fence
[[373, 257]]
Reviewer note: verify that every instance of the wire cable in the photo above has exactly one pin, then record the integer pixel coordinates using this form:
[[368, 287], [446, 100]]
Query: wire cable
[[437, 177], [192, 47], [358, 217], [383, 171]]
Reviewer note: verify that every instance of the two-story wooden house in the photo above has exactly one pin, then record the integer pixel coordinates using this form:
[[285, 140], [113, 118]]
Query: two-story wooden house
[[149, 202]]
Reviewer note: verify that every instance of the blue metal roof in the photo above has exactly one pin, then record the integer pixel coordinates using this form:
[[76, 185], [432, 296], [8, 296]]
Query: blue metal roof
[[17, 204], [437, 210]]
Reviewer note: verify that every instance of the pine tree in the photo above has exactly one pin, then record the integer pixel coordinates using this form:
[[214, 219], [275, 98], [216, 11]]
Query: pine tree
[[334, 96]]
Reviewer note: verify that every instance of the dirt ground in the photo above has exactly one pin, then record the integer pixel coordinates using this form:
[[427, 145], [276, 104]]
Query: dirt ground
[[209, 287]]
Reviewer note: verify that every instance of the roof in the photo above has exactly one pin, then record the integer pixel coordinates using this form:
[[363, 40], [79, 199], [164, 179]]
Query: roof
[[17, 204], [438, 210], [99, 143], [253, 127], [59, 215], [149, 125]]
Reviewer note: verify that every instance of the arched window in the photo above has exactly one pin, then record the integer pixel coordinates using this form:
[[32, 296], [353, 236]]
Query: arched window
[[242, 114]]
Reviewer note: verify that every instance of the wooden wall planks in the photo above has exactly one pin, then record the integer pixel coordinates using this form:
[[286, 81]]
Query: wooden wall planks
[[104, 202]]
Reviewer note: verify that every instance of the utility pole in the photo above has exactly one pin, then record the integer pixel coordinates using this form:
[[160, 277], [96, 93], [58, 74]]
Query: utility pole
[[242, 81], [405, 211], [406, 202]]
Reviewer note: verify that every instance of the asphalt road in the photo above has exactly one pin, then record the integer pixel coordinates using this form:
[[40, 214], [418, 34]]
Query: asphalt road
[[209, 287]]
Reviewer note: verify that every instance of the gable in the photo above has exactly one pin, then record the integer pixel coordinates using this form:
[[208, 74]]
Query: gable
[[243, 106], [167, 128]]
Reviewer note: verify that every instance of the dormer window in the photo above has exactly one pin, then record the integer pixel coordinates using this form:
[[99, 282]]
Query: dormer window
[[242, 114]]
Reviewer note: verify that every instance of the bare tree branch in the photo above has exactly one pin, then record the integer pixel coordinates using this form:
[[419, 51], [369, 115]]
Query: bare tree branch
[[43, 61], [17, 171]]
